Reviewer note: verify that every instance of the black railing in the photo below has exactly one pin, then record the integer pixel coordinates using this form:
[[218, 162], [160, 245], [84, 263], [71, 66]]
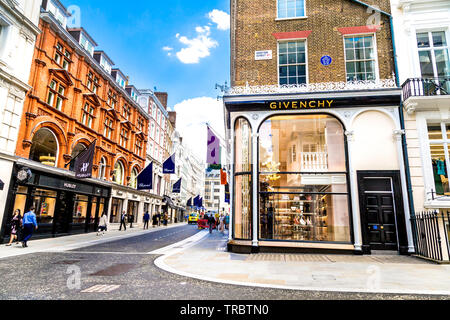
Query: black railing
[[425, 87], [431, 235]]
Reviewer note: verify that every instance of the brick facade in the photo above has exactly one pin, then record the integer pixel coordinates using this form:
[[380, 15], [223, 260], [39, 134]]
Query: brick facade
[[253, 24], [67, 122]]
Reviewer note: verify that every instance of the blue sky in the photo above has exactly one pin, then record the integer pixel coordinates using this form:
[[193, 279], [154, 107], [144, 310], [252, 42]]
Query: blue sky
[[144, 37]]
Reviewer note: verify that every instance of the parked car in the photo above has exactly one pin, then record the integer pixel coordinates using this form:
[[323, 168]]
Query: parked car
[[193, 218]]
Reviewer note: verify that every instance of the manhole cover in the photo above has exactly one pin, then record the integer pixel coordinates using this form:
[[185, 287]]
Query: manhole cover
[[114, 270], [102, 288]]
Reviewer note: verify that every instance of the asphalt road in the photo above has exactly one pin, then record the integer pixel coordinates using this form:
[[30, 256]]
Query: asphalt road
[[124, 271]]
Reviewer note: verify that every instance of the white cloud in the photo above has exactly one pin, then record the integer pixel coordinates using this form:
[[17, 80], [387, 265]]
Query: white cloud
[[196, 48], [167, 48], [192, 115], [221, 18]]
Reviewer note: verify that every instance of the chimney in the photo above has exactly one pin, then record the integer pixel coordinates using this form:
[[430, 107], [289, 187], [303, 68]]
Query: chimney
[[162, 97], [173, 118]]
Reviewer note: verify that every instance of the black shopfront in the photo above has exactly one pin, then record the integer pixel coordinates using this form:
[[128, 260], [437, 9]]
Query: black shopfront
[[63, 205]]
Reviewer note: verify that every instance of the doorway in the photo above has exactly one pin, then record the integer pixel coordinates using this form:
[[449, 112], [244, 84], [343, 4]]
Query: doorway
[[382, 213]]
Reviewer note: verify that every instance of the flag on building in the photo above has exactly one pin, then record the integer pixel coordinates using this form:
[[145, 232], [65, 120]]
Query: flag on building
[[189, 203], [169, 165], [223, 177], [213, 148], [84, 162], [145, 178], [197, 201], [227, 193], [177, 187]]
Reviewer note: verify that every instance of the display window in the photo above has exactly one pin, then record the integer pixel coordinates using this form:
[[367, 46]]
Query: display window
[[303, 181], [438, 135], [80, 209], [116, 210], [44, 201], [133, 210], [243, 180], [93, 210], [21, 199]]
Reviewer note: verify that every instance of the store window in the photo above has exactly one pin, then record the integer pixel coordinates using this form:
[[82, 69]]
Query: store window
[[44, 147], [303, 194], [290, 9], [243, 181], [44, 201], [439, 137], [292, 62], [360, 58], [116, 210], [21, 199], [80, 209]]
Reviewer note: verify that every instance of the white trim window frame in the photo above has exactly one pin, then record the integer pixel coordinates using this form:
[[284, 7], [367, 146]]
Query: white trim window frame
[[432, 48], [355, 61], [283, 5], [280, 63], [444, 141]]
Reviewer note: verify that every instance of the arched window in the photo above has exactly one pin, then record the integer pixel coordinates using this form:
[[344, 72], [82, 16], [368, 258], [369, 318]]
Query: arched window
[[243, 180], [102, 169], [44, 148], [119, 173], [79, 148], [303, 193], [133, 179]]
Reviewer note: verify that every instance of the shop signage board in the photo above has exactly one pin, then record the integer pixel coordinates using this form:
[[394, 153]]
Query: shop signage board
[[263, 55], [301, 104]]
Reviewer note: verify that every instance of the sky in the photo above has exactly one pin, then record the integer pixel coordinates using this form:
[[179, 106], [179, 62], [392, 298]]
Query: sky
[[177, 46]]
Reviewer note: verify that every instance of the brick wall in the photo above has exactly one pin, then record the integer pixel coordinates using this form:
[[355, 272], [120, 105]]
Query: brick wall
[[254, 22]]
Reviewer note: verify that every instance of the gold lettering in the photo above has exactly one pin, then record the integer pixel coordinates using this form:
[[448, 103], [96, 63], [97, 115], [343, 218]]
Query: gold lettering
[[312, 104], [294, 105], [303, 104], [273, 105], [286, 105], [321, 104], [330, 102]]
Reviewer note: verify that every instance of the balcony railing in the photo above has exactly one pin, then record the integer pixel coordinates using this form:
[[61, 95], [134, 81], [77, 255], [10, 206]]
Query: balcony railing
[[426, 87], [314, 161]]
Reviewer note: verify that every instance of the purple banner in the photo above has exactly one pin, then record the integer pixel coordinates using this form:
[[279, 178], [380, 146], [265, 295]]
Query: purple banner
[[213, 153]]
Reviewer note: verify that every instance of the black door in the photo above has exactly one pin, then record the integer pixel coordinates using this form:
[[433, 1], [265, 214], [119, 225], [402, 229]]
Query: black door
[[63, 213], [380, 221]]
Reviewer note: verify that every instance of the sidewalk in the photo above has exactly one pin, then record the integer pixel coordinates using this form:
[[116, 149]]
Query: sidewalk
[[78, 241], [208, 260]]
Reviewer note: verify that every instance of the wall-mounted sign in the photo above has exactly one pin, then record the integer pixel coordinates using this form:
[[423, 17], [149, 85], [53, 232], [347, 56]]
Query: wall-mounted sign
[[326, 60], [263, 55], [301, 104], [67, 185], [24, 174]]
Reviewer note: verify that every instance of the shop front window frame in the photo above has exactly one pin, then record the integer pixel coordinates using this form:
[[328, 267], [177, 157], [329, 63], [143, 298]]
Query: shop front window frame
[[445, 142], [346, 173], [243, 174]]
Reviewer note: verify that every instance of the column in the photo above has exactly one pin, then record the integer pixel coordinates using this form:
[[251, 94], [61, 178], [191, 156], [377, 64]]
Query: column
[[255, 188], [357, 235], [398, 135]]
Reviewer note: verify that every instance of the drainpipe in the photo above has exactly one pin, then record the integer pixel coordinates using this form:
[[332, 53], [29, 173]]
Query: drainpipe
[[402, 119]]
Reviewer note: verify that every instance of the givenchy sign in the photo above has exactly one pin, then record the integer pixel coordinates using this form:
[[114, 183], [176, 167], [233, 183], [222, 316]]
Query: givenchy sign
[[301, 104]]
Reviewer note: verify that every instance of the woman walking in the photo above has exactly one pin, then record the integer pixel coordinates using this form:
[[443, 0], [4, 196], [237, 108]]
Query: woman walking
[[103, 224], [16, 224]]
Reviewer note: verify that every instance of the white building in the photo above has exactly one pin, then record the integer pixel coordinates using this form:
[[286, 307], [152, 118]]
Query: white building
[[422, 34], [18, 31]]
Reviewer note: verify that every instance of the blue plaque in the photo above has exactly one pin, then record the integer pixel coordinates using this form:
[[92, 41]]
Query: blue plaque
[[326, 60]]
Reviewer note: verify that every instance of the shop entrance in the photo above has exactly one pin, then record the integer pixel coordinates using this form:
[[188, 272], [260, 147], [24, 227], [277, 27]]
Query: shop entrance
[[381, 210]]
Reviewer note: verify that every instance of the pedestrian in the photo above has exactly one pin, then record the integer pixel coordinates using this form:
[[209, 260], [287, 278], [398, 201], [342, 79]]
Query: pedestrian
[[155, 220], [146, 220], [166, 218], [227, 221], [158, 215], [123, 222], [211, 222], [103, 224], [131, 219], [16, 225], [221, 223], [29, 224]]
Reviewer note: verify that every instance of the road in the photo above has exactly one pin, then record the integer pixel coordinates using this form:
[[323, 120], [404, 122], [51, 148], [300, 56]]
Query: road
[[124, 270]]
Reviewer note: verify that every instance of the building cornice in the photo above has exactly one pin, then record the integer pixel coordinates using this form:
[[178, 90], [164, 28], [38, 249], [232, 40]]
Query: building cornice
[[11, 6]]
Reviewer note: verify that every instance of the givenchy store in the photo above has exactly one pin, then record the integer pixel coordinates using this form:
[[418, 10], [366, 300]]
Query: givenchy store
[[64, 205], [320, 172]]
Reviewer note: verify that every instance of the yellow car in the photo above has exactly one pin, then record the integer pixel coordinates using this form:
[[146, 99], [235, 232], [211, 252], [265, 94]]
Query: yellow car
[[193, 218]]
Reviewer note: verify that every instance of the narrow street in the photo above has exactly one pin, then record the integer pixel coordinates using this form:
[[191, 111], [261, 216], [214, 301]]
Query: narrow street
[[124, 270]]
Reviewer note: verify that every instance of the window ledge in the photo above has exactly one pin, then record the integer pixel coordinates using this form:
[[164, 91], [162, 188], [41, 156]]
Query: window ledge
[[442, 203], [294, 18]]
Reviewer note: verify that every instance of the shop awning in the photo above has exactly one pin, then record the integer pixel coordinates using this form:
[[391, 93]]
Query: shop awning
[[168, 201]]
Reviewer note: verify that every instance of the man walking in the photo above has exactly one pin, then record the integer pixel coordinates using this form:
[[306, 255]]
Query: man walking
[[29, 224], [131, 218], [146, 220], [123, 222], [211, 222]]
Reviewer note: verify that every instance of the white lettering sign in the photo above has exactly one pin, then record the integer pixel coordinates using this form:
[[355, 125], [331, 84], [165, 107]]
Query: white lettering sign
[[263, 55]]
